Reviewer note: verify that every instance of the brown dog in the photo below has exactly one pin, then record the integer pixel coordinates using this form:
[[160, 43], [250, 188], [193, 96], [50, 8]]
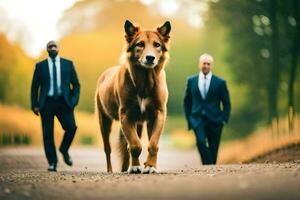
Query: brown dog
[[134, 92]]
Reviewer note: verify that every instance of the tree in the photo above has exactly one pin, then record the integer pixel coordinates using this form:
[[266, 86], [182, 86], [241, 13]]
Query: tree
[[295, 51], [260, 47]]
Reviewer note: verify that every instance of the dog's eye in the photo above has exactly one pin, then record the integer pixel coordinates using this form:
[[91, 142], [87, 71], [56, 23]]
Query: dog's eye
[[140, 44], [156, 44]]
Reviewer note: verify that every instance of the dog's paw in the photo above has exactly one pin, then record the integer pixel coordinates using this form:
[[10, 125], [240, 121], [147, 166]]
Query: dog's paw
[[150, 170], [135, 169]]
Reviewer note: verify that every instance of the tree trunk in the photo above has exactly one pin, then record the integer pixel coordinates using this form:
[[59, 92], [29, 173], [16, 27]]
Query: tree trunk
[[294, 62], [274, 69]]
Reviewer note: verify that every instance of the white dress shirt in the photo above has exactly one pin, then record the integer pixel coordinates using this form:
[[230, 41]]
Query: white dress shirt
[[201, 83], [58, 76]]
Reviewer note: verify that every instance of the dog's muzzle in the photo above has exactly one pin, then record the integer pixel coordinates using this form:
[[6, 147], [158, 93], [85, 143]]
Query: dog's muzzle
[[149, 62]]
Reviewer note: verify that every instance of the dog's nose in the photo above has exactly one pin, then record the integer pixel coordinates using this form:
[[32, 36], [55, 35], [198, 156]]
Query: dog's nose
[[150, 59]]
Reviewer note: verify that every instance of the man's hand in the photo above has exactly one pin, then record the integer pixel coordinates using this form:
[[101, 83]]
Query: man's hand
[[36, 111]]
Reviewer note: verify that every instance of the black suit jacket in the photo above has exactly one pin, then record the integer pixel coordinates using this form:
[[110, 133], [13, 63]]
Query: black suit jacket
[[41, 84], [196, 107]]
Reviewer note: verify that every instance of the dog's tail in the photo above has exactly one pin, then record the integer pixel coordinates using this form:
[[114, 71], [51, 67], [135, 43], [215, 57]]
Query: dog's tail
[[97, 101], [124, 153]]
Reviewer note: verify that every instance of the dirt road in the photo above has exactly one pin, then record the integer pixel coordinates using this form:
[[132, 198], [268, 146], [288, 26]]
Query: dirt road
[[23, 175]]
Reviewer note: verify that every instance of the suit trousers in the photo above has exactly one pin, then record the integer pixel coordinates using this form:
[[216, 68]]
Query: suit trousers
[[208, 137], [65, 115]]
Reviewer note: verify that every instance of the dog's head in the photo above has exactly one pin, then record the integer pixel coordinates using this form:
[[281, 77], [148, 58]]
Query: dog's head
[[147, 48]]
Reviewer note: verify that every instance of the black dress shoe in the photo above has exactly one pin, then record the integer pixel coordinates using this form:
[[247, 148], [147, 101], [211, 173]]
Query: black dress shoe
[[67, 158], [52, 167]]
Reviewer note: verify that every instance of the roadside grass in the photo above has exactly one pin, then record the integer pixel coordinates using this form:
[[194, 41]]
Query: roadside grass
[[19, 126]]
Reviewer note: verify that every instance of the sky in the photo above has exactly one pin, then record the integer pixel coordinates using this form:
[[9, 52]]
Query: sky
[[32, 23]]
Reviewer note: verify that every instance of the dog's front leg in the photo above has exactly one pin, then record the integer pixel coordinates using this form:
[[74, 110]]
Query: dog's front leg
[[155, 128], [135, 147]]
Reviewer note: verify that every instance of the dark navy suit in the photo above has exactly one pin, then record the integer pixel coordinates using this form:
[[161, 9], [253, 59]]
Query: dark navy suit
[[205, 116], [41, 84], [61, 106]]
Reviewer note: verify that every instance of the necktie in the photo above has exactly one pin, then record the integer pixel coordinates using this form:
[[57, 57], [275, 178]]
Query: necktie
[[204, 87], [55, 93]]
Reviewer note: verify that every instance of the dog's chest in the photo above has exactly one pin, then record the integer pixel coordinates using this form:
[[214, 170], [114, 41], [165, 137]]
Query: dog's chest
[[142, 109], [143, 103]]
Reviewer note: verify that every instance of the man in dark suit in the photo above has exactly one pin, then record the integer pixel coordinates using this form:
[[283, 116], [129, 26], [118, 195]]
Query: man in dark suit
[[55, 92], [202, 105]]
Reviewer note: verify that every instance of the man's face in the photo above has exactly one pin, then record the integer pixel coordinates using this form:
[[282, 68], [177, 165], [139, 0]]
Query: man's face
[[52, 49], [205, 65]]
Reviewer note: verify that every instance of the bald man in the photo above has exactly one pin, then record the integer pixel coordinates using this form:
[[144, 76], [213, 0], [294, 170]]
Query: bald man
[[204, 95], [55, 92]]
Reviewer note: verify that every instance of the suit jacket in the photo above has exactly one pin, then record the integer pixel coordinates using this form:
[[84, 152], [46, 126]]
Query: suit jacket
[[41, 84], [196, 107]]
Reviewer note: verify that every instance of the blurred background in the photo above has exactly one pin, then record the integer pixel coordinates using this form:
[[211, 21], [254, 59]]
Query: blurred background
[[255, 44]]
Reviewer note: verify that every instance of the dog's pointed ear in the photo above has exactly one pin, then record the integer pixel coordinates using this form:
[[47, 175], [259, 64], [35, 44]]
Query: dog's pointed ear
[[130, 30], [165, 29]]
